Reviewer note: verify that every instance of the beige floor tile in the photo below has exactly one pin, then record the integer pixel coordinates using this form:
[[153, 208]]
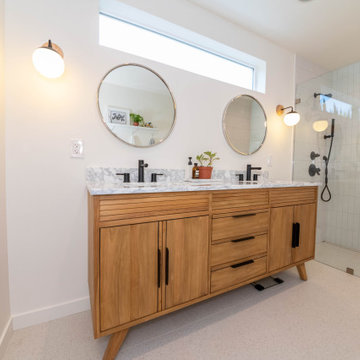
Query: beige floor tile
[[314, 320]]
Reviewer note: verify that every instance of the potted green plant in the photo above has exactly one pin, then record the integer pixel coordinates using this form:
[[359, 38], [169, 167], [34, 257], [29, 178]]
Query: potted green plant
[[136, 119], [206, 160]]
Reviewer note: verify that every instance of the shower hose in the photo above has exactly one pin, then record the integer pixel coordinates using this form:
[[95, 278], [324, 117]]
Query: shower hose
[[326, 193]]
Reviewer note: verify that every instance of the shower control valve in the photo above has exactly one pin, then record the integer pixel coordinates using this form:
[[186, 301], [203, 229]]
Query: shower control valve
[[313, 170]]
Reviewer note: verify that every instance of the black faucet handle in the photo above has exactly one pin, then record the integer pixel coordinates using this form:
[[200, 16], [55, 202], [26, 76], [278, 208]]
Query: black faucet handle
[[314, 155], [241, 177], [154, 177], [142, 163], [126, 177]]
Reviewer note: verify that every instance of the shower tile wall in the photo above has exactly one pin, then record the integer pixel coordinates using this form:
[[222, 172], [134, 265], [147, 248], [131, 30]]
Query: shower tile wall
[[339, 219]]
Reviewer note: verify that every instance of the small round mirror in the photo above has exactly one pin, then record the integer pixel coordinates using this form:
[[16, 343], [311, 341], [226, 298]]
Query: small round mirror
[[244, 124], [136, 105]]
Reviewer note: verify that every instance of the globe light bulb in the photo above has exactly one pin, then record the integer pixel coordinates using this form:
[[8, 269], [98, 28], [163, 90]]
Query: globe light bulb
[[48, 60], [291, 118]]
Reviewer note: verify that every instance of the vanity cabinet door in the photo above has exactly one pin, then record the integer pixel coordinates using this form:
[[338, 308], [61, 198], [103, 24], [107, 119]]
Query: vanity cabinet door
[[128, 273], [186, 260], [292, 235], [281, 228], [305, 216]]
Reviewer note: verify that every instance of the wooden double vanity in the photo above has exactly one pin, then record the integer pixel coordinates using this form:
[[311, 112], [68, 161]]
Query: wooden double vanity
[[153, 253]]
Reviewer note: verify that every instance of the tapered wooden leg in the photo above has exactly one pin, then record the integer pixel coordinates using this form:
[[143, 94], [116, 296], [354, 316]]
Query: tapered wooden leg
[[302, 271], [114, 344]]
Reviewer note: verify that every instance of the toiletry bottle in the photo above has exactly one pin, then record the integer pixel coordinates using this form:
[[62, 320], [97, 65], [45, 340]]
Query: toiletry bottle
[[195, 171], [188, 174]]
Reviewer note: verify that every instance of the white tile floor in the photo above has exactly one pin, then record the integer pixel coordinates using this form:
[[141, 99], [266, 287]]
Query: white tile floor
[[338, 257], [315, 320]]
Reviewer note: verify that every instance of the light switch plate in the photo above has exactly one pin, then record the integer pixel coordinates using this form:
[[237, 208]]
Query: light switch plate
[[76, 148]]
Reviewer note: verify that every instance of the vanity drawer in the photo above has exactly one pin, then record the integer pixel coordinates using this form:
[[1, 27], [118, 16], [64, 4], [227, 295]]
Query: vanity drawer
[[118, 207], [237, 273], [237, 249], [293, 196], [234, 226], [240, 200]]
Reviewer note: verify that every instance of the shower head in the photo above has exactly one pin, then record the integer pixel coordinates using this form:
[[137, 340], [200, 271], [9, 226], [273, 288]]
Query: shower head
[[332, 130], [318, 94]]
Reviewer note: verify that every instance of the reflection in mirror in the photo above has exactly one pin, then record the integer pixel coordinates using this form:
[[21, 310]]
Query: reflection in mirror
[[244, 124], [136, 105]]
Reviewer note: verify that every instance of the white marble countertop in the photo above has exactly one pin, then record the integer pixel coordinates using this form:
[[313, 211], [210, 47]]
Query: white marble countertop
[[106, 188]]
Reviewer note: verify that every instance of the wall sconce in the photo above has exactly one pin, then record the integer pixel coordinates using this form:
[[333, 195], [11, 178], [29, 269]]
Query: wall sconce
[[291, 118], [320, 125], [48, 60]]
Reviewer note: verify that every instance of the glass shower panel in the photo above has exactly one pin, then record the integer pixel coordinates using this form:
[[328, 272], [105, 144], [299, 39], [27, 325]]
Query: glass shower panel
[[338, 223]]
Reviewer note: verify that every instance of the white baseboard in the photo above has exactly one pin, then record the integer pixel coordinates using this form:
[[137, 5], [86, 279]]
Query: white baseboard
[[48, 313], [5, 337]]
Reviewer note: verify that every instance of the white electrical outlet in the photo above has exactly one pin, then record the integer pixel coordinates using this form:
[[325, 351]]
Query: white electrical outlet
[[76, 148]]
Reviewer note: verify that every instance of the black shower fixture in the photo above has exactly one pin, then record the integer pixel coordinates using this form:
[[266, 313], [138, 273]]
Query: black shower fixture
[[327, 159], [332, 130], [318, 94]]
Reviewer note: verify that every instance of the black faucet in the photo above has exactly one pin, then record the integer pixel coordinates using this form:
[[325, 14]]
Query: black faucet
[[141, 167], [154, 177], [126, 177], [248, 171]]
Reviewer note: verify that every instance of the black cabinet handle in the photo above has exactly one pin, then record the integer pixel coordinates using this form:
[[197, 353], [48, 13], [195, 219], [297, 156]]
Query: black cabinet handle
[[243, 215], [242, 264], [243, 239], [167, 267], [293, 242], [297, 234], [159, 267]]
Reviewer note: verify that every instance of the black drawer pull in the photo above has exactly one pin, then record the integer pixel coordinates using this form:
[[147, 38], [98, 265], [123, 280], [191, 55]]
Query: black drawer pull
[[243, 215], [242, 264], [243, 239], [167, 267], [159, 267]]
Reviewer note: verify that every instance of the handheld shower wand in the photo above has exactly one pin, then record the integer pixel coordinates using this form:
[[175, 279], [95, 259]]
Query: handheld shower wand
[[332, 130], [327, 159]]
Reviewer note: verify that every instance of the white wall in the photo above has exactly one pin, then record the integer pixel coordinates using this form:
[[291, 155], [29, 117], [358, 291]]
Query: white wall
[[46, 196], [307, 70], [4, 275]]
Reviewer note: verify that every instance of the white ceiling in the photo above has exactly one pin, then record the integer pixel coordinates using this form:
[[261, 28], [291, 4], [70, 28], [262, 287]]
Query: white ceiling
[[325, 32]]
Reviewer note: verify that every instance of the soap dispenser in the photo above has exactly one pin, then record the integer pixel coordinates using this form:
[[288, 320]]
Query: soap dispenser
[[188, 169], [195, 171]]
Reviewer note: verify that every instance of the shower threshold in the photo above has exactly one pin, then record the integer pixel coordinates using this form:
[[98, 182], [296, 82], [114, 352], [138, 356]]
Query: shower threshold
[[338, 257]]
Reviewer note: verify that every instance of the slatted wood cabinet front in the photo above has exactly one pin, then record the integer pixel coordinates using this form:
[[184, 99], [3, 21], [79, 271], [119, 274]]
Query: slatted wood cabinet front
[[151, 254]]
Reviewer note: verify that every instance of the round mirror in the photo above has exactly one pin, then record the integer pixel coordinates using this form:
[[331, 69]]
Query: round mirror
[[244, 124], [136, 105]]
